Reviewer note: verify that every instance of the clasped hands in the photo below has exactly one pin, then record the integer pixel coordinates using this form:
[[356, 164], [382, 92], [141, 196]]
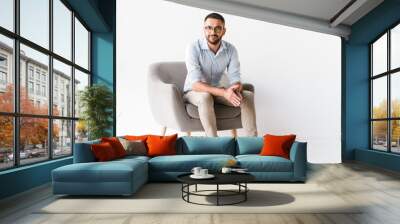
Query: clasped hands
[[233, 94]]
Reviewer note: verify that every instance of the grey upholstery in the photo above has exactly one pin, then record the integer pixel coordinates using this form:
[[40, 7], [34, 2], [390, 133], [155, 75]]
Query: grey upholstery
[[165, 91]]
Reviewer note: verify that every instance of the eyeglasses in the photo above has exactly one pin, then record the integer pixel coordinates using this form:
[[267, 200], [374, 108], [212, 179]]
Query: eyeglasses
[[217, 29]]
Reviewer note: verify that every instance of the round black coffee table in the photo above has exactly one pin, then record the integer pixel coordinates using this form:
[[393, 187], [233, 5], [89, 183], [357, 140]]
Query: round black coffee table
[[238, 179]]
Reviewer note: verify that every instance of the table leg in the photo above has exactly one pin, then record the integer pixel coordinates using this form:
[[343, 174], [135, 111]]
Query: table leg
[[188, 190], [245, 193], [217, 194], [196, 187]]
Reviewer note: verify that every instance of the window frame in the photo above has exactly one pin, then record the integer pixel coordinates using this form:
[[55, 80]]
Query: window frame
[[388, 74], [15, 72]]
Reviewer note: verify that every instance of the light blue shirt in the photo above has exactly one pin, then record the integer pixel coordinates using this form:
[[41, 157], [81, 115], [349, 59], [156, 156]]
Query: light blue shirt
[[205, 66]]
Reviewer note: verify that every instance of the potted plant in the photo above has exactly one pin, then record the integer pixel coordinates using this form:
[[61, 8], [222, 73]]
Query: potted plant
[[96, 102]]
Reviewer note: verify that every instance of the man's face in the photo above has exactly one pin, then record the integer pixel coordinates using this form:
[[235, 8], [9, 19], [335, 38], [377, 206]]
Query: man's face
[[214, 30]]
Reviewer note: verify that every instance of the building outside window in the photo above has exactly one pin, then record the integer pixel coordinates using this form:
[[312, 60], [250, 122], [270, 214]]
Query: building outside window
[[37, 75], [44, 77], [30, 87], [43, 90], [34, 75], [3, 61], [3, 72], [30, 72], [3, 78], [38, 89], [385, 91]]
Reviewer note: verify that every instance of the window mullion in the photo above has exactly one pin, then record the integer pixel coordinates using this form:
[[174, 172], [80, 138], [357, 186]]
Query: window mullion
[[50, 81], [73, 82], [389, 113], [16, 84]]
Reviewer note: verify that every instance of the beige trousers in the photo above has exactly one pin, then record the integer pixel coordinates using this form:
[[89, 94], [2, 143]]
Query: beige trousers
[[205, 104]]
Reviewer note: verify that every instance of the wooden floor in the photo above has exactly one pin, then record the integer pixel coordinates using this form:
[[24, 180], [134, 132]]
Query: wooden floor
[[377, 188]]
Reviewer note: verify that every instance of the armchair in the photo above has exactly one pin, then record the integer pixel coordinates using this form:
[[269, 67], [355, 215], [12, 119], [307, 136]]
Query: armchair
[[165, 91]]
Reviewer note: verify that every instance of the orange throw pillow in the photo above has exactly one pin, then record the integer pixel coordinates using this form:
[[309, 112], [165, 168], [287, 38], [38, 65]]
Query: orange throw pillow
[[135, 138], [116, 145], [103, 151], [277, 145], [161, 145]]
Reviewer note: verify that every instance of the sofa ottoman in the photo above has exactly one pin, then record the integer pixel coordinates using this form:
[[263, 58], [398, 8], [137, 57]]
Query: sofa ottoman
[[118, 177]]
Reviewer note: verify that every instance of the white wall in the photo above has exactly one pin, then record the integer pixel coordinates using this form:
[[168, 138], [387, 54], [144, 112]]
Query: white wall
[[296, 73]]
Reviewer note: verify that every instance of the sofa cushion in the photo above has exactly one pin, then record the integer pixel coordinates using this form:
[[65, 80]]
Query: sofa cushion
[[136, 137], [185, 163], [135, 147], [249, 145], [188, 145], [103, 152], [111, 171], [275, 145], [221, 111], [257, 163], [116, 145], [161, 145]]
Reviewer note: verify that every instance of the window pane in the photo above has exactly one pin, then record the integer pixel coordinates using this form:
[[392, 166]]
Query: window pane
[[379, 87], [6, 74], [81, 45], [35, 21], [81, 131], [395, 94], [81, 81], [33, 140], [395, 136], [6, 142], [395, 47], [379, 135], [379, 55], [62, 138], [62, 89], [34, 97], [7, 14], [62, 29]]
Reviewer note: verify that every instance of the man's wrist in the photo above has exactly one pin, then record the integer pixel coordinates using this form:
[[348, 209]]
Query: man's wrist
[[222, 91]]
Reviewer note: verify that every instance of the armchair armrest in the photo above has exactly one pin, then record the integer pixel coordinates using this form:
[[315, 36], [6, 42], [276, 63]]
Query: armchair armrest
[[298, 155], [166, 103], [248, 86]]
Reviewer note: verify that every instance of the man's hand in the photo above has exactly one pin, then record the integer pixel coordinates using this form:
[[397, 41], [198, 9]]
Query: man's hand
[[232, 94], [238, 86]]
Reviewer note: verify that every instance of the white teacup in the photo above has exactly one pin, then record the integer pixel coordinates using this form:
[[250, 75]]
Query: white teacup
[[203, 172], [196, 170], [226, 170]]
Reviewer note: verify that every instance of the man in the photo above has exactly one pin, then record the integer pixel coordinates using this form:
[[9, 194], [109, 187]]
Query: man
[[206, 61]]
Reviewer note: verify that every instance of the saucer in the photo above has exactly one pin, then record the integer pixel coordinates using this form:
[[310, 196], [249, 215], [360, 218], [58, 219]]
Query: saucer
[[208, 176]]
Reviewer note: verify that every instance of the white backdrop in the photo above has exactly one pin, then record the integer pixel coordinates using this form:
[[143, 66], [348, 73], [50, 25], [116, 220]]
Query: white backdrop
[[296, 73]]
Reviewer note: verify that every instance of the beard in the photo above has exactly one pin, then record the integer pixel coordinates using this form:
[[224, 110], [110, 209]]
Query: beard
[[212, 40]]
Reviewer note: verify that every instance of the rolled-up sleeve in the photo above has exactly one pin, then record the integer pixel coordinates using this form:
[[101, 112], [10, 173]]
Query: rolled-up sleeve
[[193, 65], [233, 69]]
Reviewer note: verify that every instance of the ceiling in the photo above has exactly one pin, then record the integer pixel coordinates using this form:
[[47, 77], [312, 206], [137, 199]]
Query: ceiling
[[326, 16]]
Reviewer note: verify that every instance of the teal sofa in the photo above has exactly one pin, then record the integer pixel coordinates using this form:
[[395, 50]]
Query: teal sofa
[[125, 176]]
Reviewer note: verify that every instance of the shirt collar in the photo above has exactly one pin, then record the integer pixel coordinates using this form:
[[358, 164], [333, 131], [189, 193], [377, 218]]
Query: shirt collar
[[204, 45]]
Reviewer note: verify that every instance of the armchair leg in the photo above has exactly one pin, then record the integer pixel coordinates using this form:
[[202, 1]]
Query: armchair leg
[[163, 130], [234, 133], [188, 133]]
